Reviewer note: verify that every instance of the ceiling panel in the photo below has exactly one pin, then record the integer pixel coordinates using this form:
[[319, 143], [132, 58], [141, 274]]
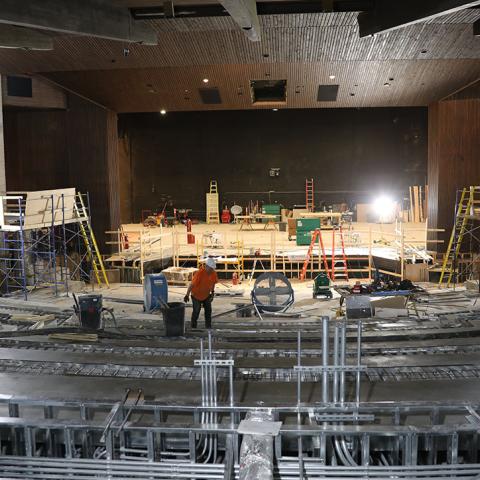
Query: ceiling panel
[[427, 62], [176, 88]]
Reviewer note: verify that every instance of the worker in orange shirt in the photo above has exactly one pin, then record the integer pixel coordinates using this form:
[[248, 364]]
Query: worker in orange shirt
[[202, 289]]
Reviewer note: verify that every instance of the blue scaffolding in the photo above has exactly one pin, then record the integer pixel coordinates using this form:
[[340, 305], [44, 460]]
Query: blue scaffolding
[[43, 248]]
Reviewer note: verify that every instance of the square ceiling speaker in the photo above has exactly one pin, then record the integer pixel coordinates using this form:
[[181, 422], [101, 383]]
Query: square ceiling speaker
[[210, 96], [327, 93]]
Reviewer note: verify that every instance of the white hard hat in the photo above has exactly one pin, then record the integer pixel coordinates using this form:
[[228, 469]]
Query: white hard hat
[[210, 262]]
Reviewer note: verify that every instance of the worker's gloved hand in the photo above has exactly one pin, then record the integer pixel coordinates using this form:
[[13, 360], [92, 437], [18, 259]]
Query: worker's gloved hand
[[186, 298], [210, 297]]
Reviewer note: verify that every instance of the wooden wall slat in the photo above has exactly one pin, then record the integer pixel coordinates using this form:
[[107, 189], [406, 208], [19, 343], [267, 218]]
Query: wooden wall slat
[[453, 156], [73, 148]]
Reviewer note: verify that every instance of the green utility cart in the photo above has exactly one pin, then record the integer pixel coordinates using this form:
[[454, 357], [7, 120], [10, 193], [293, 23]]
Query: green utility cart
[[322, 286]]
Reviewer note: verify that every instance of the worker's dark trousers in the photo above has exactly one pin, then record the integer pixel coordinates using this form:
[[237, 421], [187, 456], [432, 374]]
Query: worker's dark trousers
[[207, 307]]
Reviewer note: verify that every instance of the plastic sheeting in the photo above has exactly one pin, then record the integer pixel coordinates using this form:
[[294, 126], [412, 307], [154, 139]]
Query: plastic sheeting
[[256, 452]]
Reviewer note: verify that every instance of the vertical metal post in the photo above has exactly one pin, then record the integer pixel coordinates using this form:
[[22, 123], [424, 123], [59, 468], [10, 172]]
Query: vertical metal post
[[343, 354], [336, 339], [68, 443], [151, 445], [325, 324], [365, 443], [299, 399], [22, 248], [359, 360], [299, 375], [453, 449], [64, 246], [232, 396], [29, 448], [53, 252]]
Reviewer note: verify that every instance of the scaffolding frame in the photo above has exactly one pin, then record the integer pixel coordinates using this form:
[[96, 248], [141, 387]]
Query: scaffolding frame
[[46, 253], [467, 212]]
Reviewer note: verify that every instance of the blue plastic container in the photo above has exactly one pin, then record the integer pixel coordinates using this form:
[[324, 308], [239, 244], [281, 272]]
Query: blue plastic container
[[155, 291]]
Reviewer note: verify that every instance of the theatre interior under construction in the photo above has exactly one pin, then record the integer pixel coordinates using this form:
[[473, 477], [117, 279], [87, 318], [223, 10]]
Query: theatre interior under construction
[[305, 174]]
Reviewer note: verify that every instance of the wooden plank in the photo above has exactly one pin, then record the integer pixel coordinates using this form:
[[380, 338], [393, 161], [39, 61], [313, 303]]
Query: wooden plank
[[415, 203], [420, 199], [411, 204]]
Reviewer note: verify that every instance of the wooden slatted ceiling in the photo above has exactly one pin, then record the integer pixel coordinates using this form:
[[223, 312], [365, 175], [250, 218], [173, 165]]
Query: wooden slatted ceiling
[[427, 62], [175, 88]]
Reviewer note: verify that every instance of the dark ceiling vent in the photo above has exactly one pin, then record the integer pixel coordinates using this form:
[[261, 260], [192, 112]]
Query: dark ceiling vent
[[327, 93], [210, 96], [19, 86], [269, 91]]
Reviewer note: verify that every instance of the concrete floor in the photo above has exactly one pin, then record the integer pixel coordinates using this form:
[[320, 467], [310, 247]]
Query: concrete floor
[[390, 329]]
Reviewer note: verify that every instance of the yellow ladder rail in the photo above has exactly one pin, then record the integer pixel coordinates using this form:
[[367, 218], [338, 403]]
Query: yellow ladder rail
[[467, 199], [91, 243]]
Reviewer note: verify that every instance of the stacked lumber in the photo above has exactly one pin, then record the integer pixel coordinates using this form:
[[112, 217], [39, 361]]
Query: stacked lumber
[[179, 275], [74, 337], [418, 203]]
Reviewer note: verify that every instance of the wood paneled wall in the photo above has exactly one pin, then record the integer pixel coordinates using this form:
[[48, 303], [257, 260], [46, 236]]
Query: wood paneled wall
[[73, 148], [453, 157], [44, 95]]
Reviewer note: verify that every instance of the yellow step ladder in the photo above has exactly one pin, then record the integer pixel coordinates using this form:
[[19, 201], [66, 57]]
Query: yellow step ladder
[[213, 213], [93, 253], [465, 210]]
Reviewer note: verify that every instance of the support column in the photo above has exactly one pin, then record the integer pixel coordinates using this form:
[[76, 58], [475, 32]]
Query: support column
[[3, 180]]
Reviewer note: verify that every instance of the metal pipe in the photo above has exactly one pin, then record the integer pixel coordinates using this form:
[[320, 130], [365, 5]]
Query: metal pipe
[[299, 399], [359, 360], [343, 353], [335, 362], [325, 323], [299, 363]]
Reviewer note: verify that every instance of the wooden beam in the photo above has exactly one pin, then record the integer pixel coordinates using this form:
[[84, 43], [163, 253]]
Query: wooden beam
[[244, 12], [24, 38], [392, 14], [96, 18]]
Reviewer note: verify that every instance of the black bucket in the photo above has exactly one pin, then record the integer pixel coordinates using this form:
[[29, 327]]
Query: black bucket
[[174, 319]]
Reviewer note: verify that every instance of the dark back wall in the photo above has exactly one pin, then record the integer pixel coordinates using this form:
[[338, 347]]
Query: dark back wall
[[353, 152]]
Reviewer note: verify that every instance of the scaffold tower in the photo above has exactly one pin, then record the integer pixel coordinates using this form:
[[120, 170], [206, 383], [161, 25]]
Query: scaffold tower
[[44, 242]]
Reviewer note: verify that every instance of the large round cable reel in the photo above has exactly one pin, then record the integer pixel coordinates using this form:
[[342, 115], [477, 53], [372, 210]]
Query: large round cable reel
[[272, 292]]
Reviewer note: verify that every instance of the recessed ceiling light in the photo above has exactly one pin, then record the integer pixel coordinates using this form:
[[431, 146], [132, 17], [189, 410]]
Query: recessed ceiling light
[[275, 109], [332, 77], [205, 80], [163, 111]]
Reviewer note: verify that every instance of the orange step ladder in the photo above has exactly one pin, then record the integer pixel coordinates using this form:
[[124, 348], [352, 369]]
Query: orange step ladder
[[317, 233], [340, 270]]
